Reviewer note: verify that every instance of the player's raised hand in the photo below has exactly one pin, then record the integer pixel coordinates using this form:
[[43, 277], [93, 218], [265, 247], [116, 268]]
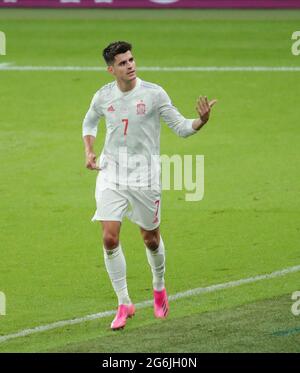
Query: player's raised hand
[[90, 161], [204, 107]]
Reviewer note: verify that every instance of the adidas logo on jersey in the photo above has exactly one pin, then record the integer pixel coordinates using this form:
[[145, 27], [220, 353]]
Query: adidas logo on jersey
[[111, 109]]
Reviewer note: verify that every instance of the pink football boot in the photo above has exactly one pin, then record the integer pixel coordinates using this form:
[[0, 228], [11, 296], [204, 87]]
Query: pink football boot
[[161, 304], [122, 315]]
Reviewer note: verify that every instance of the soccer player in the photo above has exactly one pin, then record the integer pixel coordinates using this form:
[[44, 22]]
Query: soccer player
[[132, 109]]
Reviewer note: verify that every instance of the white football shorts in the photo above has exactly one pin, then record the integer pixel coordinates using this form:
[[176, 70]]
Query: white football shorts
[[141, 206]]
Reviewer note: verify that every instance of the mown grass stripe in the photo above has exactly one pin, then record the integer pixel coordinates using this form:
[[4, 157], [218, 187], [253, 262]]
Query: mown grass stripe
[[148, 303]]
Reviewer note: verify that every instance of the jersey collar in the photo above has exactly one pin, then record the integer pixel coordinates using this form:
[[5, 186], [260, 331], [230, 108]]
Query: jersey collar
[[129, 93]]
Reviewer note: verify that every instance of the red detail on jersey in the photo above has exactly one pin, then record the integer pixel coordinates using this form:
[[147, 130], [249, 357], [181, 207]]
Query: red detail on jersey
[[156, 212], [141, 108], [155, 220], [125, 121], [111, 109]]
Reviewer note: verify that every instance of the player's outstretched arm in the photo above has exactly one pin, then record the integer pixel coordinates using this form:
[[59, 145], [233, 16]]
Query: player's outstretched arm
[[203, 108]]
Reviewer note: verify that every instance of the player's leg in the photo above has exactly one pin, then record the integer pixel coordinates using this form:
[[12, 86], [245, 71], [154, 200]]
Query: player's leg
[[110, 234], [115, 264], [114, 259], [146, 206], [111, 207], [146, 213], [155, 251]]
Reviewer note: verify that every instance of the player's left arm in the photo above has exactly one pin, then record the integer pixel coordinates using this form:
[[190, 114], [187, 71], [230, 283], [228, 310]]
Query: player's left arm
[[182, 126], [204, 109]]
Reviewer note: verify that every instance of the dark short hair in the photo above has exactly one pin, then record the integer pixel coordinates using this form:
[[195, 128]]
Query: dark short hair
[[115, 48]]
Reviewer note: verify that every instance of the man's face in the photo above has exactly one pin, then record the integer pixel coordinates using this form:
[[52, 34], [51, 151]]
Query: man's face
[[123, 67]]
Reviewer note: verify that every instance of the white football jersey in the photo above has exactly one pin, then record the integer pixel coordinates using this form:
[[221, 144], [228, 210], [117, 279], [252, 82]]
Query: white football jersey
[[130, 155]]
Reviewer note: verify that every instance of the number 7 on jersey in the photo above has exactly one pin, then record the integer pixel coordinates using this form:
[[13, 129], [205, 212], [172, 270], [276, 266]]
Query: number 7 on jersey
[[125, 121]]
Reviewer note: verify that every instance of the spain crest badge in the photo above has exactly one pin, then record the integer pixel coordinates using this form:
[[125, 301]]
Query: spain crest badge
[[140, 108]]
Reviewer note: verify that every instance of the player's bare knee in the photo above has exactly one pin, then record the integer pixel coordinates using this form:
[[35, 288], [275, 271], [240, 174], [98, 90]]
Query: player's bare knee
[[152, 242], [110, 241]]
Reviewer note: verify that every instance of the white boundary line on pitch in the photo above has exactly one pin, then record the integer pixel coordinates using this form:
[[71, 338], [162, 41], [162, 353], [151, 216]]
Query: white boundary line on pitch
[[148, 303], [11, 67]]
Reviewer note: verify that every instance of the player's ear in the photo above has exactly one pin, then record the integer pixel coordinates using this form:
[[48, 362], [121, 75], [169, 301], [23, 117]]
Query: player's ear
[[110, 69]]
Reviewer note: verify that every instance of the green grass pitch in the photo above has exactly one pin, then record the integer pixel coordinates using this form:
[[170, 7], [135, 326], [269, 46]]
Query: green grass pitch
[[248, 224]]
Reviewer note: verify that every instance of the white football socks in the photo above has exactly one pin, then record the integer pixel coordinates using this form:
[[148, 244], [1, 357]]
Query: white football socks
[[116, 268], [156, 259]]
